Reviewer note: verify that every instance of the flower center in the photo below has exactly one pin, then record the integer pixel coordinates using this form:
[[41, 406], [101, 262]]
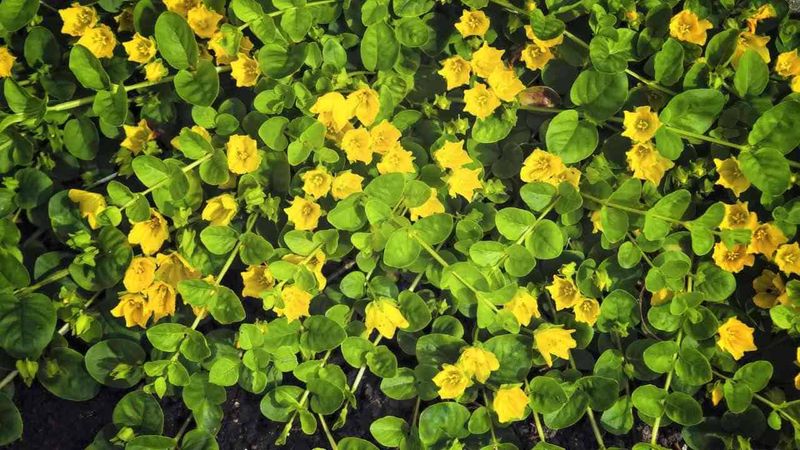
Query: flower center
[[642, 124]]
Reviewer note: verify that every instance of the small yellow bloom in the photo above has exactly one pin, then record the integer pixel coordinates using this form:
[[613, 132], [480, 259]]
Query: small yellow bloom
[[137, 137], [154, 71], [731, 176], [552, 340], [686, 26], [181, 7], [133, 307], [174, 268], [464, 182], [597, 224], [452, 155], [661, 297], [365, 104], [770, 290], [150, 234], [788, 64], [646, 163], [140, 49], [336, 107], [486, 60], [243, 156], [788, 258], [257, 279], [452, 381], [90, 204], [765, 239], [765, 11], [77, 19], [480, 101], [750, 41], [6, 62], [732, 259], [541, 166], [523, 306], [797, 381], [564, 292], [736, 338], [346, 184], [384, 315], [203, 21], [717, 394], [304, 214], [571, 175], [478, 363], [431, 206], [738, 216], [317, 182], [510, 404], [795, 84], [641, 124], [100, 40], [296, 302], [140, 274], [220, 210], [384, 137], [587, 310], [473, 23], [456, 71], [536, 55], [245, 70], [505, 84], [396, 160], [215, 44], [160, 300], [315, 263], [356, 145]]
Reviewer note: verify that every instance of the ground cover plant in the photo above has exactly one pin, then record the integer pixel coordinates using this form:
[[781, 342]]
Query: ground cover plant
[[523, 220]]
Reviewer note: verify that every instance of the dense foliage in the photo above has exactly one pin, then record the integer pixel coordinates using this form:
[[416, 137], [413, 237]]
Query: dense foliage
[[546, 213]]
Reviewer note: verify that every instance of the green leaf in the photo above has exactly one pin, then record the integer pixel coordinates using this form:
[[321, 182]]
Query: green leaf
[[9, 417], [569, 138], [389, 431], [546, 241], [116, 362], [255, 249], [277, 61], [15, 14], [660, 356], [199, 87], [139, 411], [219, 240], [669, 63], [112, 106], [752, 75], [379, 47], [657, 221], [546, 395], [683, 409], [166, 336], [411, 8], [224, 371], [401, 250], [513, 222], [649, 400], [600, 95], [175, 40], [722, 46], [296, 22], [71, 381], [226, 307], [692, 368], [778, 128], [611, 51], [150, 170], [767, 169], [442, 421], [81, 138], [28, 323], [322, 334], [693, 110], [87, 69]]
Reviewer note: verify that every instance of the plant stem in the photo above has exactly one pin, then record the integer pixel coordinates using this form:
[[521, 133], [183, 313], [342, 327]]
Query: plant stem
[[539, 430], [598, 436], [183, 428], [491, 422], [55, 276], [327, 431], [527, 231], [703, 137], [166, 180], [667, 383]]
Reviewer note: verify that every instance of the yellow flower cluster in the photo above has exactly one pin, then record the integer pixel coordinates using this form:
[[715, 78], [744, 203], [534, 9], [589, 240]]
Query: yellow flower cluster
[[474, 363], [643, 158], [565, 294], [542, 166], [384, 315], [465, 174]]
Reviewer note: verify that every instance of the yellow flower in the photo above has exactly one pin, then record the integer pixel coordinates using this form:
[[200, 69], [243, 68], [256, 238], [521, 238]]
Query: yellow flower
[[717, 394], [536, 55], [140, 274], [133, 307], [541, 166], [397, 159], [486, 59], [257, 279], [150, 234], [245, 70], [736, 338], [220, 210], [137, 137], [456, 71], [181, 7], [646, 163], [160, 300], [304, 214], [641, 124], [384, 315], [587, 310], [174, 268], [296, 302], [315, 264], [6, 62], [365, 104], [478, 363], [155, 70], [505, 84], [738, 217], [788, 258], [571, 175], [549, 43], [661, 297], [140, 49], [564, 292], [431, 206], [356, 145], [203, 21], [215, 44], [243, 156], [552, 340], [464, 182], [788, 64], [523, 306], [77, 19], [797, 381], [473, 23], [765, 11], [346, 184], [597, 224], [317, 182], [480, 101], [795, 84], [730, 176], [452, 381], [90, 204], [770, 290], [765, 239], [452, 155], [100, 40], [732, 259], [510, 404], [336, 107], [686, 26], [750, 41], [384, 137]]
